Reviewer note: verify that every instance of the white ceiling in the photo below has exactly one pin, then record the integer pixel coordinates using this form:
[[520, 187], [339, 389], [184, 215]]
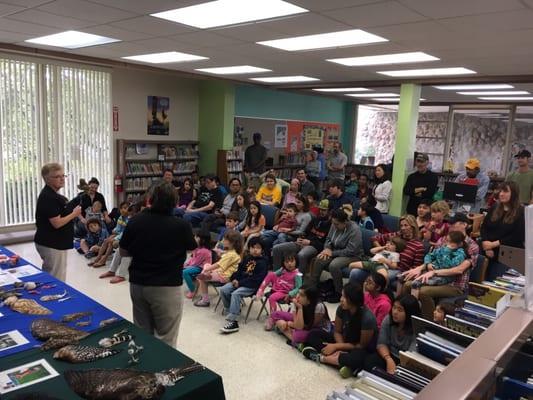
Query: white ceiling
[[492, 37]]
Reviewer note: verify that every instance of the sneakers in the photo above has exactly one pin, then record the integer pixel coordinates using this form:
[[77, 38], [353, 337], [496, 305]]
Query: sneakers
[[300, 347], [79, 250], [117, 279], [202, 303], [189, 295], [230, 327], [311, 354], [269, 324], [90, 254], [107, 274], [346, 372]]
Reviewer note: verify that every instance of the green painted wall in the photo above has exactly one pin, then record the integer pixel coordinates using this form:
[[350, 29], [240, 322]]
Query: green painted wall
[[215, 121], [253, 101]]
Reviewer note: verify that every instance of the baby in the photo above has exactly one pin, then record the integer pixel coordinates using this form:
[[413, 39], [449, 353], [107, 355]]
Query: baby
[[385, 257]]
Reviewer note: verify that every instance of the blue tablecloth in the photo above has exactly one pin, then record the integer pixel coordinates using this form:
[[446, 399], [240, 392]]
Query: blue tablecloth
[[12, 320]]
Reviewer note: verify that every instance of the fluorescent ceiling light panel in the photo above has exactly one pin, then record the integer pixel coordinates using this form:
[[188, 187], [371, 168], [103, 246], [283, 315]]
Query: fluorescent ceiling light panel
[[398, 58], [482, 86], [341, 90], [234, 70], [350, 37], [428, 72], [373, 95], [507, 98], [167, 57], [285, 79], [390, 99], [72, 40], [229, 12], [495, 93]]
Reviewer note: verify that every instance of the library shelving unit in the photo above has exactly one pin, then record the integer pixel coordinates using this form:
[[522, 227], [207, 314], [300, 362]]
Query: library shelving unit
[[141, 163], [230, 164], [289, 164]]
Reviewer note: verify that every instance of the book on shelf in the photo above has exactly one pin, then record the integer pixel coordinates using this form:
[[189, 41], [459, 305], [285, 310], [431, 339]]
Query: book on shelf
[[435, 351], [235, 154], [426, 327], [442, 342], [473, 317], [481, 309], [461, 325], [420, 364], [175, 152], [404, 380], [370, 384], [487, 294]]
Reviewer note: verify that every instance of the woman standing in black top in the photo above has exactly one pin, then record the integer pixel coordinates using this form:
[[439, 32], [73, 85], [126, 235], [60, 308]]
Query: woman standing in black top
[[54, 221], [158, 243], [503, 225]]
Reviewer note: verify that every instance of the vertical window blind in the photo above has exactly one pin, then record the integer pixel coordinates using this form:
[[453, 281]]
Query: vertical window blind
[[51, 113]]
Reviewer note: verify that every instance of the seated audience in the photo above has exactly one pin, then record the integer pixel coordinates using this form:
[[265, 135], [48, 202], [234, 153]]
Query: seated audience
[[194, 265], [353, 338], [308, 245], [365, 222], [313, 168], [270, 193], [308, 314], [242, 283], [95, 212], [306, 186], [384, 258], [337, 198], [217, 219], [343, 246], [423, 214], [255, 221], [503, 225], [442, 310], [287, 223], [186, 193], [221, 271], [351, 185], [376, 298], [437, 226], [240, 206], [363, 190], [428, 294], [313, 200], [396, 335], [284, 282], [290, 196], [382, 190], [96, 234], [232, 222], [209, 200], [376, 216]]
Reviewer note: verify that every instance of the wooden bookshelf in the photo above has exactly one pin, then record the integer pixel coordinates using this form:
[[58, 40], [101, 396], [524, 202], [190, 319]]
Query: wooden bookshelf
[[230, 164], [141, 163]]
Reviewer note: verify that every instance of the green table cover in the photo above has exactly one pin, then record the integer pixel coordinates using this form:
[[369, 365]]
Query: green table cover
[[156, 356]]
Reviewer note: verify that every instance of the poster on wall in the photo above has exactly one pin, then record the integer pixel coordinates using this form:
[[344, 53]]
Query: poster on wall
[[158, 123], [331, 136], [313, 136], [280, 136]]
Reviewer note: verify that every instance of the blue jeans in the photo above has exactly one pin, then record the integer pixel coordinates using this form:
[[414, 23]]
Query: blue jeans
[[195, 217], [189, 275], [231, 298]]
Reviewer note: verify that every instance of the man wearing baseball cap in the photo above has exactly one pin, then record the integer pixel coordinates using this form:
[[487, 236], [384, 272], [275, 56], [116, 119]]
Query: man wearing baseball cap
[[474, 176], [523, 176], [421, 184]]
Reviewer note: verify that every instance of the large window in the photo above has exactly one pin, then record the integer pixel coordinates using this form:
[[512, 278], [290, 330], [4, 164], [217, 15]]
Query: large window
[[50, 113]]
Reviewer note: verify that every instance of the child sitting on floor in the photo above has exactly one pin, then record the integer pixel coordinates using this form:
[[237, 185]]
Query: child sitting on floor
[[286, 224], [444, 257], [232, 221], [285, 282], [222, 270], [112, 241], [194, 265], [95, 212], [96, 234], [442, 311], [385, 257], [244, 282], [309, 313], [376, 298]]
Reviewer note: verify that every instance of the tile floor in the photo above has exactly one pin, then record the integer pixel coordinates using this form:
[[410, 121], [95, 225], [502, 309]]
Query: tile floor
[[254, 364]]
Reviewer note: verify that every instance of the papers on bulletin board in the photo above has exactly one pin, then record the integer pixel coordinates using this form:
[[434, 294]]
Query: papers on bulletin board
[[26, 375], [11, 339], [23, 271], [7, 278], [280, 136]]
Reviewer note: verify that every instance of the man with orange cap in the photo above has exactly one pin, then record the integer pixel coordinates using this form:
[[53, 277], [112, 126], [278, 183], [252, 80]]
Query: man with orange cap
[[474, 176]]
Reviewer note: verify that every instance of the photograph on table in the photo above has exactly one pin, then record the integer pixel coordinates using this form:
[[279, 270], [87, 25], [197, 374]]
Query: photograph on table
[[26, 375], [23, 271], [7, 278], [11, 339]]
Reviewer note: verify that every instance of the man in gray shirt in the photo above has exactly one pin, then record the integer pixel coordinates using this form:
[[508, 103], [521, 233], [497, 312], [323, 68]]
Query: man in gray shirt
[[336, 163]]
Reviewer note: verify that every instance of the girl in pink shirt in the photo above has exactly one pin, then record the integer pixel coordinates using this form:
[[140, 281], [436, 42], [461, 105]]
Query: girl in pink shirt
[[376, 300], [194, 265]]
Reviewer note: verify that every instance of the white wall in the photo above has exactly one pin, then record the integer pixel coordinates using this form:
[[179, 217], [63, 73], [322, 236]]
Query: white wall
[[130, 89]]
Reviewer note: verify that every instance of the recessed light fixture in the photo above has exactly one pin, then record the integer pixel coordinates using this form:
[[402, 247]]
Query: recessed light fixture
[[72, 40], [340, 90], [350, 37], [285, 79], [229, 12], [373, 95], [495, 93], [482, 86], [428, 72], [398, 58], [507, 98], [237, 69], [167, 57]]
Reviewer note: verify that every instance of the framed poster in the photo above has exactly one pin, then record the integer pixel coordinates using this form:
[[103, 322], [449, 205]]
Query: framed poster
[[158, 123], [280, 136]]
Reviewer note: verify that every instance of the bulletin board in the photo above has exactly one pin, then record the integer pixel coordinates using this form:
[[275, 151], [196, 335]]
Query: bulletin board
[[284, 136]]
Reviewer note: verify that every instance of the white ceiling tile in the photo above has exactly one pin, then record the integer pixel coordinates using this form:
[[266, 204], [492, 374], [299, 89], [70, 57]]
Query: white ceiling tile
[[26, 3], [360, 51], [380, 14], [144, 6], [322, 5], [412, 31], [12, 37], [305, 24], [31, 30], [152, 26], [53, 20], [457, 8], [157, 45], [206, 39], [512, 20], [89, 11], [115, 32], [7, 9]]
